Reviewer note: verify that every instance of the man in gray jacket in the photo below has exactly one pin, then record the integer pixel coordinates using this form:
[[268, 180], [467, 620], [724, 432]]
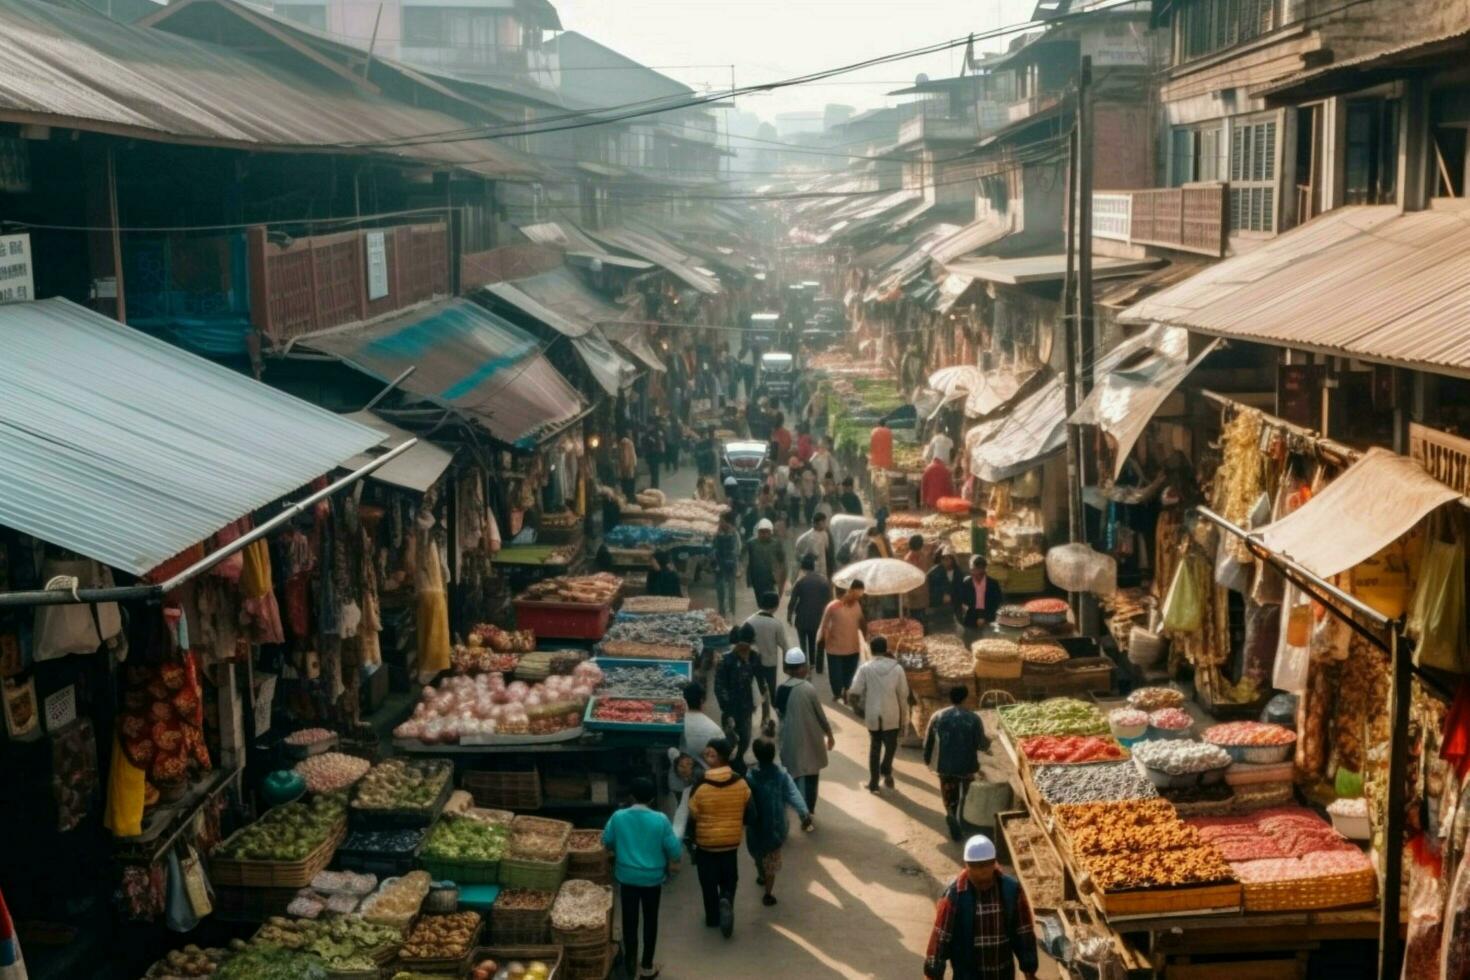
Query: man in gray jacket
[[883, 690], [806, 734]]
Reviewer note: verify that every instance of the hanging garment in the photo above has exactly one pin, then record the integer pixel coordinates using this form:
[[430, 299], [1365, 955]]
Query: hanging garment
[[124, 813], [259, 611], [372, 619], [433, 604], [64, 630]]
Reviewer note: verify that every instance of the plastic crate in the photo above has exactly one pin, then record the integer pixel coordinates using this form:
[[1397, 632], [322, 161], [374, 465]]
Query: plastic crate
[[384, 864], [594, 725], [563, 620]]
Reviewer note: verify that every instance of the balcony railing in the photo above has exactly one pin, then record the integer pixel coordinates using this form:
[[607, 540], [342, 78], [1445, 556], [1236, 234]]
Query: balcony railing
[[1190, 218], [324, 281], [922, 128]]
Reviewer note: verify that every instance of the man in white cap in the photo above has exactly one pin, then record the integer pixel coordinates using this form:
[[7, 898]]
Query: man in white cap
[[806, 734], [983, 927], [765, 561]]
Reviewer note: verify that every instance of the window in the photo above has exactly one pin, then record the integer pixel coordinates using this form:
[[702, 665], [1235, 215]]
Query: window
[[1371, 163], [1253, 176], [458, 27], [1194, 155], [311, 15], [1206, 26]]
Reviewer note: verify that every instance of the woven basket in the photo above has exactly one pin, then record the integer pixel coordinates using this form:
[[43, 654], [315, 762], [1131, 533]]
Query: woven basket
[[1327, 892], [583, 939], [922, 682], [504, 790], [277, 874], [520, 926], [1002, 670], [463, 871], [594, 963], [501, 952], [541, 876]]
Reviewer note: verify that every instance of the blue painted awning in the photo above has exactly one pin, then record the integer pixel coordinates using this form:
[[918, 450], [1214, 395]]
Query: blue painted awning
[[126, 449], [466, 358]]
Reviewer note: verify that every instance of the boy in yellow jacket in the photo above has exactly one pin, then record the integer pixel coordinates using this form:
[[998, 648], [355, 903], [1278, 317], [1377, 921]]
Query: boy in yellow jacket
[[720, 807]]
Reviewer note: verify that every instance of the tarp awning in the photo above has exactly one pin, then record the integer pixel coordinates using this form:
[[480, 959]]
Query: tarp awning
[[1036, 426], [612, 371], [1044, 268], [128, 450], [560, 301], [629, 336], [1372, 504], [660, 253], [1366, 282], [1126, 398], [999, 388], [418, 469], [970, 238], [465, 358], [575, 242]]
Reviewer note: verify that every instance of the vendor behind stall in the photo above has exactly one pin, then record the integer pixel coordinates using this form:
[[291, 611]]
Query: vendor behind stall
[[664, 580], [937, 482], [978, 598]]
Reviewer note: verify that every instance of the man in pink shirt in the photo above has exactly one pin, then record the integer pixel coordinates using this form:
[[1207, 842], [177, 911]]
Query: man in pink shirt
[[841, 632]]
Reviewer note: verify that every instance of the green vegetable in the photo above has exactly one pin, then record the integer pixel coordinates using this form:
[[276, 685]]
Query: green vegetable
[[464, 838], [268, 963], [287, 833], [1058, 716]]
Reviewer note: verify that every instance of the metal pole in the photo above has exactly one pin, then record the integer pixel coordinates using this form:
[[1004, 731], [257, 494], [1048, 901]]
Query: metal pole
[[1084, 221], [402, 377], [1393, 831], [120, 301], [1075, 522], [67, 597]]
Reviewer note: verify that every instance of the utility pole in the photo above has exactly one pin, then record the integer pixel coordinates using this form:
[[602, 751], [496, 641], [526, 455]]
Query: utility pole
[[1069, 350], [1084, 222]]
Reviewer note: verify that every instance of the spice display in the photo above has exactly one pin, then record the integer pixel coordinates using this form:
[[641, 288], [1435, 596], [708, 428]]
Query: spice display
[[1071, 749], [1178, 758], [1092, 784], [1043, 654], [1252, 733], [581, 905], [1155, 698], [441, 937], [399, 784], [286, 833], [331, 771], [522, 900], [643, 682], [466, 839], [644, 651], [397, 899], [655, 604], [1057, 716], [486, 705], [594, 590], [1170, 719]]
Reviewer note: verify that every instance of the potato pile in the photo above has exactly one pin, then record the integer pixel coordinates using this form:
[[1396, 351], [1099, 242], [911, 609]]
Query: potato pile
[[441, 937], [1140, 844]]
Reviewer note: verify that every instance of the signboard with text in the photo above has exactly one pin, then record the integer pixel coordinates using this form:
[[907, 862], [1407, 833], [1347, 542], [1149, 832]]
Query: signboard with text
[[17, 284], [377, 265]]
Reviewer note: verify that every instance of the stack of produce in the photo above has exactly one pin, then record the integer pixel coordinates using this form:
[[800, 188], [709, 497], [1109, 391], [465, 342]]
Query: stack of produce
[[507, 969], [331, 771], [397, 900], [652, 604], [1127, 845], [344, 944], [481, 660], [594, 590], [272, 963], [397, 785], [191, 961], [501, 641], [1056, 716], [1098, 783], [949, 658], [288, 832], [441, 937], [1154, 698], [1071, 749], [465, 850], [642, 682], [541, 664], [486, 705]]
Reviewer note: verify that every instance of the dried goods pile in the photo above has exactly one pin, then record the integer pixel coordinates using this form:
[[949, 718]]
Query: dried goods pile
[[584, 842], [1071, 749], [501, 640], [1125, 845], [400, 784], [1098, 783], [539, 839], [642, 604], [592, 590], [1056, 716], [638, 711], [303, 737], [397, 899], [1043, 654], [521, 900], [286, 833], [441, 937], [948, 656], [659, 631], [996, 650], [642, 682], [895, 629], [581, 905], [1255, 734], [486, 705], [632, 650], [1178, 758], [331, 771], [1155, 698]]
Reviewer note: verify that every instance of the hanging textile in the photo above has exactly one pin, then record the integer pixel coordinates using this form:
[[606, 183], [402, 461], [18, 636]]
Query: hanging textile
[[260, 610], [433, 602], [124, 813]]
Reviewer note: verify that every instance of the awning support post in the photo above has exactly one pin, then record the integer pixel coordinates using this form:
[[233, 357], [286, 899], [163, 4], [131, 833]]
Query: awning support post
[[1389, 952]]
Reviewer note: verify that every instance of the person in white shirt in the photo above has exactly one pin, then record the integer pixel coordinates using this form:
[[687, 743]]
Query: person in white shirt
[[883, 689], [815, 541], [823, 464], [939, 448], [770, 645]]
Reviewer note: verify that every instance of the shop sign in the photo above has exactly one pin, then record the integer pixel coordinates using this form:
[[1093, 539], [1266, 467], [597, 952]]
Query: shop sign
[[15, 166], [377, 265], [1443, 456], [17, 284], [61, 708]]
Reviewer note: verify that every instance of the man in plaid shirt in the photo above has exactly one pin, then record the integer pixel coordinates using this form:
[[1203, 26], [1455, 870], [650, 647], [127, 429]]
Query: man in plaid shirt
[[982, 927]]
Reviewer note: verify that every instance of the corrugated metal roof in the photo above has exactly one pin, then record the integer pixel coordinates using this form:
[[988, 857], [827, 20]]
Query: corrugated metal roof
[[1044, 268], [660, 253], [128, 450], [1353, 73], [629, 336], [971, 238], [574, 241], [560, 301], [468, 359], [418, 469], [85, 71], [612, 371], [951, 288], [1366, 282]]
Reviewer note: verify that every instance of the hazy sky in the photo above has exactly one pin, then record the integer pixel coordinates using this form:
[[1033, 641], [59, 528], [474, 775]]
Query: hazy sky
[[772, 39]]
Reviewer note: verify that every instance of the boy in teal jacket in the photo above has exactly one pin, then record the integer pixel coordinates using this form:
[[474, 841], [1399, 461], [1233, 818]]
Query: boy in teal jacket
[[645, 853]]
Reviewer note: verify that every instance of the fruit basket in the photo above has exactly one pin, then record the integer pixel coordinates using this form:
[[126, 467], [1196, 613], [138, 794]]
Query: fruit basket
[[633, 715], [452, 964], [521, 916], [375, 798], [230, 864], [385, 853], [500, 954]]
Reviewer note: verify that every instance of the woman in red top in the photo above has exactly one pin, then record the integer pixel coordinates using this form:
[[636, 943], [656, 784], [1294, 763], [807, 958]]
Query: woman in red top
[[937, 483], [880, 448], [804, 445], [781, 436]]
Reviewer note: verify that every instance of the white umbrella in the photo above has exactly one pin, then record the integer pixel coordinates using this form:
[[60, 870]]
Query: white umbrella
[[881, 576], [961, 379]]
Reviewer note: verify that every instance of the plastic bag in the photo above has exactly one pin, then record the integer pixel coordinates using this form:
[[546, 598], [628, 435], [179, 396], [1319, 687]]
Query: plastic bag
[[1293, 660], [1230, 572], [1437, 611], [1184, 607], [983, 801]]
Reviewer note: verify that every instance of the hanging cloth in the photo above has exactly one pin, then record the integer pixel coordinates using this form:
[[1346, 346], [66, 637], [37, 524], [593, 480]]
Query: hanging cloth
[[260, 610], [433, 603], [124, 813]]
